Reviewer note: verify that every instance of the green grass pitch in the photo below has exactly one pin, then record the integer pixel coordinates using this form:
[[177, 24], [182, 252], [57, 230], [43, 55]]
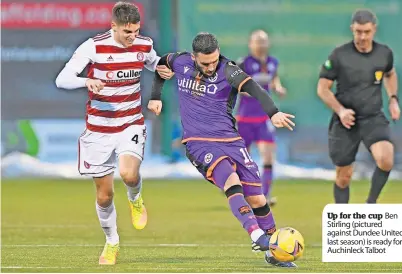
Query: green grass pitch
[[51, 226]]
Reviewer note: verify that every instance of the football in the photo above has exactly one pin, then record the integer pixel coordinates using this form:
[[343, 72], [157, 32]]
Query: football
[[287, 244]]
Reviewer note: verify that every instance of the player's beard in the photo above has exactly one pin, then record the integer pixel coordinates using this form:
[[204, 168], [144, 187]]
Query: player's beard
[[202, 71]]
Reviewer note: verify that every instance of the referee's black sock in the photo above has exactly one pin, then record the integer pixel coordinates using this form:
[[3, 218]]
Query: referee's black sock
[[341, 194], [378, 181]]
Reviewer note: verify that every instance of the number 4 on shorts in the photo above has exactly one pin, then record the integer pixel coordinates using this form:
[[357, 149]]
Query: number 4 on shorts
[[135, 139]]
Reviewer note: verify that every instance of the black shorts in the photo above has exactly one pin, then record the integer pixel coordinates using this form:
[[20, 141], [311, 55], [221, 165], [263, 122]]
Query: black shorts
[[344, 143]]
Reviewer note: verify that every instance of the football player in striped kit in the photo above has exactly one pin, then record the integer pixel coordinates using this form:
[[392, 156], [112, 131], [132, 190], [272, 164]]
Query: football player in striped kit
[[114, 121]]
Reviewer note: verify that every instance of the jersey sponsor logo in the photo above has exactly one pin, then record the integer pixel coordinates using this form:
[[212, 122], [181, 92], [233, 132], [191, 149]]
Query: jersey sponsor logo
[[195, 88], [127, 74], [378, 76], [123, 75], [208, 158], [109, 75], [328, 64]]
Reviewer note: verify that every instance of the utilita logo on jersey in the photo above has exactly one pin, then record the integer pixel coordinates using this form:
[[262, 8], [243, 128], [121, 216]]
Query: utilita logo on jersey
[[195, 88], [123, 74]]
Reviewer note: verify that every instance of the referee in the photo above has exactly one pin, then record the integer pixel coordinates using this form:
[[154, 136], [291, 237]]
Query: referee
[[359, 68]]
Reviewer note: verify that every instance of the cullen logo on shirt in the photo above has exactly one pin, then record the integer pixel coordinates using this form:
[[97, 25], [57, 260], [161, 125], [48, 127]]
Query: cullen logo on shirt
[[130, 74]]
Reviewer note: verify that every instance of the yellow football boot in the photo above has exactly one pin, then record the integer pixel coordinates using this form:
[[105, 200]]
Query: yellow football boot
[[139, 216], [109, 254]]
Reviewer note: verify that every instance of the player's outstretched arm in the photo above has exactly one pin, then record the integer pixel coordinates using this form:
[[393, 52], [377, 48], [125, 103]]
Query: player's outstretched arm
[[278, 87], [278, 119], [244, 83]]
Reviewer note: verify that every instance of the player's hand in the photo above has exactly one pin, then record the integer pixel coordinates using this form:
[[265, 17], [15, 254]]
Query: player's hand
[[281, 119], [155, 106], [95, 85], [347, 117], [164, 72], [281, 91], [394, 110]]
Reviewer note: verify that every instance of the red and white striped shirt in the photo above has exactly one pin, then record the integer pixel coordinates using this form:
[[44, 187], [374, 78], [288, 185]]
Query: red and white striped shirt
[[119, 103]]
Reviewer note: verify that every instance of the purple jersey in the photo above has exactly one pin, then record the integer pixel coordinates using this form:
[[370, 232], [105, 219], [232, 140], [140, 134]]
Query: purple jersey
[[206, 103], [249, 109]]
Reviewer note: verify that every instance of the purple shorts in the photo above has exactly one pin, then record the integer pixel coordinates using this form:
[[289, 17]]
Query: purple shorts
[[256, 132], [205, 156]]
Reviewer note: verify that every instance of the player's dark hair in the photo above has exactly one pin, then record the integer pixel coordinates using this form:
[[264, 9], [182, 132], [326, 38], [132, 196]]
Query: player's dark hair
[[124, 13], [364, 16], [205, 43]]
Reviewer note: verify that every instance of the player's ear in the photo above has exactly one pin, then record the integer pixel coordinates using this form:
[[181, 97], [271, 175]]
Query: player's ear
[[114, 26], [193, 56]]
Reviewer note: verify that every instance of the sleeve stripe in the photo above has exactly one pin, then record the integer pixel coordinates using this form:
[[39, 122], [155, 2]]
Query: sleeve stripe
[[243, 82], [167, 61]]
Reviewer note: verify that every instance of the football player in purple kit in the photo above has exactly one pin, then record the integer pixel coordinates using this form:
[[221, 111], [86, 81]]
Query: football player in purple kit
[[208, 85], [252, 122]]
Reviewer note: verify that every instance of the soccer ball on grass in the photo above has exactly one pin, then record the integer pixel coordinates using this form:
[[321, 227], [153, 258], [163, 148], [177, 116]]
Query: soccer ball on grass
[[286, 244]]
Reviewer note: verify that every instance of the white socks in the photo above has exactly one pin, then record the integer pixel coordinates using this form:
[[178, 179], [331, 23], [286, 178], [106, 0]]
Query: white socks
[[107, 219], [256, 234], [134, 192]]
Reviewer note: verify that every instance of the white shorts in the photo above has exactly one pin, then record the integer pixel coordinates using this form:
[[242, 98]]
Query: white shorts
[[97, 152]]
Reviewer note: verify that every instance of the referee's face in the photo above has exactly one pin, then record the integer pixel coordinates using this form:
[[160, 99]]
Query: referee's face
[[363, 35]]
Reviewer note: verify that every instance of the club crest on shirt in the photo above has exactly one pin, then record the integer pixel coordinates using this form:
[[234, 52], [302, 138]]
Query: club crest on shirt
[[378, 76], [271, 66], [140, 56], [213, 78]]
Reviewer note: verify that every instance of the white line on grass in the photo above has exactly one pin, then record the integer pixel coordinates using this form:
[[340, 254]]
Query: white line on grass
[[22, 226], [138, 245], [173, 268], [36, 267]]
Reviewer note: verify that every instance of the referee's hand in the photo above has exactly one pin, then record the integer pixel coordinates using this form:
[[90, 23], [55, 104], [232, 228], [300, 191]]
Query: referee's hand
[[347, 117], [394, 110]]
